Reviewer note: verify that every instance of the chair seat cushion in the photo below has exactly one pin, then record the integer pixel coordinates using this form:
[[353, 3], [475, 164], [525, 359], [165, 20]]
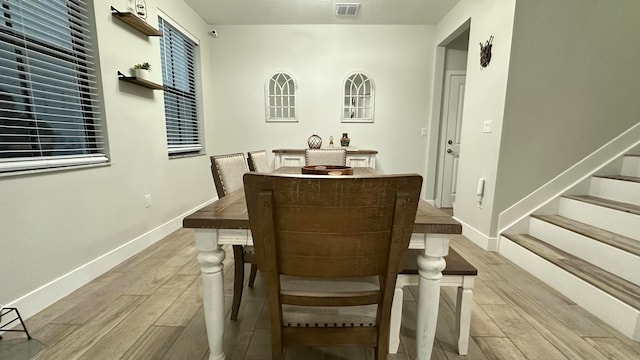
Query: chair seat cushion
[[334, 316], [335, 285], [338, 316]]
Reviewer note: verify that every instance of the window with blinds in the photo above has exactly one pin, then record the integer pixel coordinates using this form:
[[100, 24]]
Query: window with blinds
[[178, 53], [50, 114]]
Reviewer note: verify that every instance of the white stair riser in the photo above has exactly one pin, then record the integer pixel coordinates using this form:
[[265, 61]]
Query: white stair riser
[[611, 259], [609, 309], [631, 166], [618, 190], [619, 222]]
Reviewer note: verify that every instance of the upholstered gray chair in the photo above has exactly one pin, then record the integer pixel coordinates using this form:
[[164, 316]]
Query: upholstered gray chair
[[259, 161], [325, 157], [227, 171]]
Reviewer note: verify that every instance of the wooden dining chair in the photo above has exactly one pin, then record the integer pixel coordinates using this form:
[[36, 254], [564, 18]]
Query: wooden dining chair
[[258, 161], [227, 171], [325, 157], [329, 249]]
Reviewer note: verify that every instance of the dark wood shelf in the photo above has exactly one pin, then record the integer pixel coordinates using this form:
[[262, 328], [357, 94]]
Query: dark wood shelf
[[141, 82], [135, 22]]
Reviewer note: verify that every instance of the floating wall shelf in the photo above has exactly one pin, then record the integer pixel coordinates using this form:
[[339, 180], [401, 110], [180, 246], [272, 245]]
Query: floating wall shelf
[[134, 21], [141, 82]]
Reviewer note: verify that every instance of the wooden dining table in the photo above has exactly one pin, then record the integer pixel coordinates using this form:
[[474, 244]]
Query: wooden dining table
[[226, 222]]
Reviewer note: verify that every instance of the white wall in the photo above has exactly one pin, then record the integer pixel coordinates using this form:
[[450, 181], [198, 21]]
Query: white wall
[[55, 223], [573, 86], [485, 92], [397, 58]]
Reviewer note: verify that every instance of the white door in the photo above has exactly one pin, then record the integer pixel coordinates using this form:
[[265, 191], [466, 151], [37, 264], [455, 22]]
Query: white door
[[450, 136]]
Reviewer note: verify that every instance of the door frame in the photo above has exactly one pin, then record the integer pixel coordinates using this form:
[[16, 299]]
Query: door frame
[[433, 134]]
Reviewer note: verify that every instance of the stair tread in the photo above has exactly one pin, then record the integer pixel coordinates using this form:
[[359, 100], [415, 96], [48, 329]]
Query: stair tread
[[620, 177], [607, 237], [617, 287], [612, 204]]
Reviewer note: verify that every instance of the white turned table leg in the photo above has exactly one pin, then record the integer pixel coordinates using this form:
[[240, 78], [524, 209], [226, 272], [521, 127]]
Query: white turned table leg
[[430, 266], [210, 258]]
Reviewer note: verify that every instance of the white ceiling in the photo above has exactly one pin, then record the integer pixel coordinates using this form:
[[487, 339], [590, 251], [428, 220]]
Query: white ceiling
[[259, 12]]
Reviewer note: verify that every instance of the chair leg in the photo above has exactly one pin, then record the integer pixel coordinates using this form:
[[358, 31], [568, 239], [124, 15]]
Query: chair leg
[[396, 320], [238, 280], [464, 301], [252, 276]]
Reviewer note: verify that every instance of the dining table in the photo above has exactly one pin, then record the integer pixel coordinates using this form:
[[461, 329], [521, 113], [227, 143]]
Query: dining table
[[226, 222]]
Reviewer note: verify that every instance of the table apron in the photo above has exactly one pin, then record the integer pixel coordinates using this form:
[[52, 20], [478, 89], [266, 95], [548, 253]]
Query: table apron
[[243, 237]]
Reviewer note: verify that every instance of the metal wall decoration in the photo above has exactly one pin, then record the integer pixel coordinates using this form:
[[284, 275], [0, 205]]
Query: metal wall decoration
[[485, 52]]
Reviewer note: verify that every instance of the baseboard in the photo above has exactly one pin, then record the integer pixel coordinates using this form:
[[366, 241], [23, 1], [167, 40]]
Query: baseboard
[[38, 299], [477, 237]]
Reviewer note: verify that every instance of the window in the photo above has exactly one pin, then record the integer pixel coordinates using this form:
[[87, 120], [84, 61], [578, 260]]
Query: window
[[179, 54], [358, 99], [281, 98], [50, 115]]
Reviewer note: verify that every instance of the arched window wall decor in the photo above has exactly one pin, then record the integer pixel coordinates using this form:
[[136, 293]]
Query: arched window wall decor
[[281, 98], [358, 99]]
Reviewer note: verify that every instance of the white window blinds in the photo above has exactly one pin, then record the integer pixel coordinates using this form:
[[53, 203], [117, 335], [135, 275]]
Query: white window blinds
[[49, 112], [178, 53]]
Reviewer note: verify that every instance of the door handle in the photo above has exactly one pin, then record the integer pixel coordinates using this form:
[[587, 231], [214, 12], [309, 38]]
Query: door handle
[[449, 151]]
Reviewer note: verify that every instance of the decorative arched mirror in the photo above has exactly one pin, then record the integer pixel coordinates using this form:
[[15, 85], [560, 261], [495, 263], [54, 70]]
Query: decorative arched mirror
[[358, 99], [280, 99]]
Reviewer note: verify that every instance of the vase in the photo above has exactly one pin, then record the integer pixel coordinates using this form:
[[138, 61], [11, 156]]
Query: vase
[[344, 141], [314, 141], [142, 74]]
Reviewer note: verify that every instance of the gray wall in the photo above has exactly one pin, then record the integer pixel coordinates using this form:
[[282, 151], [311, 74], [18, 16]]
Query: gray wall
[[574, 84], [61, 229]]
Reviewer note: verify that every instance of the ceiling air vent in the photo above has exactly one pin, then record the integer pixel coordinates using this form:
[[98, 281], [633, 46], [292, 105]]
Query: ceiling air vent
[[347, 9]]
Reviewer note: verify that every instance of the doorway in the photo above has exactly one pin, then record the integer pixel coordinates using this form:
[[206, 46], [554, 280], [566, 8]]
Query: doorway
[[451, 116]]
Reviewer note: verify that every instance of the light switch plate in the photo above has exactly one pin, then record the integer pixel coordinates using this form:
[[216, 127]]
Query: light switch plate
[[486, 128]]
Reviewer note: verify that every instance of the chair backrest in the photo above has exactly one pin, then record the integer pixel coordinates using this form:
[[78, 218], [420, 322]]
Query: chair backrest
[[325, 157], [227, 171], [258, 161], [331, 228]]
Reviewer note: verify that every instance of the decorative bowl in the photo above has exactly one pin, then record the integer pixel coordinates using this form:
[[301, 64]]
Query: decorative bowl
[[327, 170]]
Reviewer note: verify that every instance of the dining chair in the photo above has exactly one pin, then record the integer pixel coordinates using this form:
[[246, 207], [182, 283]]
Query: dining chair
[[258, 161], [325, 157], [329, 249], [227, 171]]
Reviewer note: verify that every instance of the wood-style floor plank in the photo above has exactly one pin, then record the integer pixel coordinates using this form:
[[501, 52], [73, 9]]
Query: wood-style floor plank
[[499, 348], [514, 316], [122, 337], [529, 341], [84, 337], [557, 333], [192, 342], [154, 343]]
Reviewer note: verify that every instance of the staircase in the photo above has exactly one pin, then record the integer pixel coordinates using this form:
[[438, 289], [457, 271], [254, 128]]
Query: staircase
[[586, 244]]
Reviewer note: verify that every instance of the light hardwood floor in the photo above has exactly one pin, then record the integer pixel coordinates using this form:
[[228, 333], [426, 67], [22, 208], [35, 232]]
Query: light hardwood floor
[[150, 307]]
